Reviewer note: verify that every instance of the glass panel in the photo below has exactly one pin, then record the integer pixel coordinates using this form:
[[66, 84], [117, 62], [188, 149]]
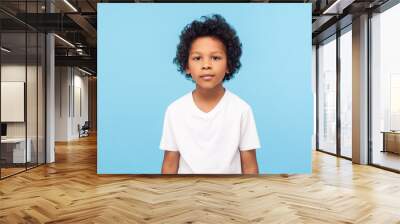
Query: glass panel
[[346, 94], [31, 100], [22, 88], [386, 89], [13, 87], [41, 99], [31, 84], [327, 96]]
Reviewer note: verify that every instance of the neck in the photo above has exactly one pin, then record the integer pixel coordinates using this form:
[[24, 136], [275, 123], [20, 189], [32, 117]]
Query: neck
[[209, 94]]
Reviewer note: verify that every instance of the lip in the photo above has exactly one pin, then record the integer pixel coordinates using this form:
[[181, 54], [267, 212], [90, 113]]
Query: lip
[[207, 77]]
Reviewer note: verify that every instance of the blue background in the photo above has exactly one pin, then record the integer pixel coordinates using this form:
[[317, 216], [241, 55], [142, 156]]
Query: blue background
[[137, 80]]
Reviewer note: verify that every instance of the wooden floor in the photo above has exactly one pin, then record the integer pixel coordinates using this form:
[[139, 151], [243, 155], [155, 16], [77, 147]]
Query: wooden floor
[[387, 159], [5, 172], [70, 191]]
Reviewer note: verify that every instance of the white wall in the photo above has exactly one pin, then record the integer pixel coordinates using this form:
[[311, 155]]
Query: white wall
[[62, 81], [81, 103], [71, 94], [12, 101], [10, 73]]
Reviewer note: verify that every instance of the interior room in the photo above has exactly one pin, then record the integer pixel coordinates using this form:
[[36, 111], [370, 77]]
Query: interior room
[[49, 126]]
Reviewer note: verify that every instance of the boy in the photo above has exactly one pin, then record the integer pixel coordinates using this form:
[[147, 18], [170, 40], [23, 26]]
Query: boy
[[209, 130]]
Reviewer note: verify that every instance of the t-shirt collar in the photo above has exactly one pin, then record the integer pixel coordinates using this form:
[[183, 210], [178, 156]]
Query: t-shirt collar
[[211, 113]]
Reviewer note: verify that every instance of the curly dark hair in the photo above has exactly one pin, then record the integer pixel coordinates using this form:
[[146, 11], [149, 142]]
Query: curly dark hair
[[213, 26]]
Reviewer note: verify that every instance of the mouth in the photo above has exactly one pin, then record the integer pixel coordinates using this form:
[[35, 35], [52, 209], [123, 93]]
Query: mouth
[[207, 77]]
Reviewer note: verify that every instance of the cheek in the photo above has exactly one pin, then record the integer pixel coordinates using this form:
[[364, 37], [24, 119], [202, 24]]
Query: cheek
[[189, 68], [224, 68], [195, 68], [225, 65]]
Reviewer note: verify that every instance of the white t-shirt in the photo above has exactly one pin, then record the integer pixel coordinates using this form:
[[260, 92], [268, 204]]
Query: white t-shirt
[[209, 143]]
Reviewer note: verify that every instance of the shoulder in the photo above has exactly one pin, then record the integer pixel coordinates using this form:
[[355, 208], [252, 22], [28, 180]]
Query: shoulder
[[238, 103], [179, 104]]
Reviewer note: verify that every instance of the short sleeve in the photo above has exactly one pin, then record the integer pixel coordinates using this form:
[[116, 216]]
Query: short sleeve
[[168, 141], [248, 132]]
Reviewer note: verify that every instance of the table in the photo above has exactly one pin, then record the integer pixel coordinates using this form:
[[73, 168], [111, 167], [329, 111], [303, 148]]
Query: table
[[16, 147], [391, 141]]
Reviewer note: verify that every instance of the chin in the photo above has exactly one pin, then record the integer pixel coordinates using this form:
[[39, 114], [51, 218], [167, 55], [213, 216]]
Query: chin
[[207, 85]]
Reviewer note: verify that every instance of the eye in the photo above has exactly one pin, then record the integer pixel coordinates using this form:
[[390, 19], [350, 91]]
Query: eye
[[197, 58], [216, 58]]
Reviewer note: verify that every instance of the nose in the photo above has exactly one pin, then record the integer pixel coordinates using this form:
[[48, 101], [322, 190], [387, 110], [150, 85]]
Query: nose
[[206, 64]]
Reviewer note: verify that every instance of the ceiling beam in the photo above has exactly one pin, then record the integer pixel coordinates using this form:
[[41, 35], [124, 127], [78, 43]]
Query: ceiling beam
[[84, 61], [337, 6]]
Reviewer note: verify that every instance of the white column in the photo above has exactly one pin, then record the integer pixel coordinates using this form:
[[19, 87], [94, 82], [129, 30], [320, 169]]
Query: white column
[[360, 90], [50, 92], [50, 100]]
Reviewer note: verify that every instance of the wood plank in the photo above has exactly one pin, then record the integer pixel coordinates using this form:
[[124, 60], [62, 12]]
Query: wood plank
[[70, 191]]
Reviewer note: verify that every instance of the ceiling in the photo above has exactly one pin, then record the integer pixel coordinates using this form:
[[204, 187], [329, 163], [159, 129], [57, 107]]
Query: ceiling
[[76, 22]]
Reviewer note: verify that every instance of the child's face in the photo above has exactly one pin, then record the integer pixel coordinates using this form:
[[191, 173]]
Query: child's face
[[207, 62]]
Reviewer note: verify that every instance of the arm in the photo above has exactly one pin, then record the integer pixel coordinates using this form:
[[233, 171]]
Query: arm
[[171, 162], [249, 161]]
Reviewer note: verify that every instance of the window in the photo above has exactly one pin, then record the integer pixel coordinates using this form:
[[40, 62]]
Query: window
[[327, 96], [346, 93], [385, 88]]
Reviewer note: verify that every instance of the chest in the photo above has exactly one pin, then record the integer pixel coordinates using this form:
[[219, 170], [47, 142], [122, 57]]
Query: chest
[[223, 124], [205, 106]]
